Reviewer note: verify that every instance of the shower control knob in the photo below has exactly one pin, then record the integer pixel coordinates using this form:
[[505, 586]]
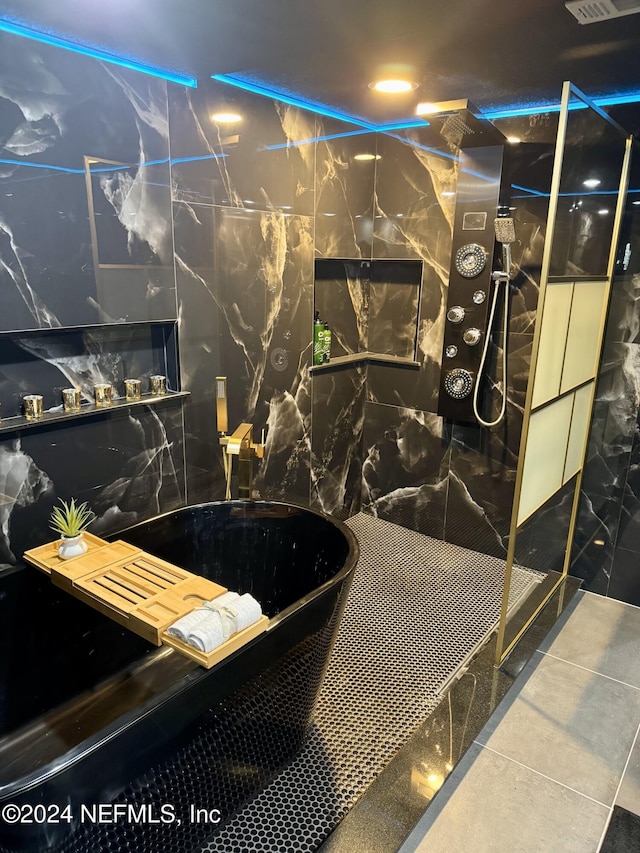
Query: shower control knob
[[455, 314], [451, 351], [472, 336], [458, 383], [479, 296]]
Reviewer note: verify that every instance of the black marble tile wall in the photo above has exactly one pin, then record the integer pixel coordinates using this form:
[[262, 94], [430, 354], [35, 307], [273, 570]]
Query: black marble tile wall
[[345, 190], [128, 464], [606, 553], [338, 412], [85, 201], [243, 196], [151, 209], [405, 472]]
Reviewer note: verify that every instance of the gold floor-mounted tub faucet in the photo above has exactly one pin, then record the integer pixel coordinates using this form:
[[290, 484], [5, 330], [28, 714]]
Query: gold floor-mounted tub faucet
[[239, 443]]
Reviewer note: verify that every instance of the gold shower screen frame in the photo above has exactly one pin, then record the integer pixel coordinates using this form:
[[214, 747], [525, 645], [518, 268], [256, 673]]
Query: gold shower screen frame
[[505, 644]]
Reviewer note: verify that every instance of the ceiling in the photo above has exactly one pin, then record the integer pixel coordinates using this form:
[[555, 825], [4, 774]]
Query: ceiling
[[497, 53]]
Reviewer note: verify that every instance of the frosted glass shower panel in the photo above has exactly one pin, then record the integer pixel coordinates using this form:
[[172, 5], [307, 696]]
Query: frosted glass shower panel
[[583, 341], [545, 455], [553, 337], [578, 431]]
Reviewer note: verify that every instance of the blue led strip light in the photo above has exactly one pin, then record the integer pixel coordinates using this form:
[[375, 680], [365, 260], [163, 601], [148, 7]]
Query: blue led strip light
[[313, 106], [108, 168], [18, 29], [537, 109]]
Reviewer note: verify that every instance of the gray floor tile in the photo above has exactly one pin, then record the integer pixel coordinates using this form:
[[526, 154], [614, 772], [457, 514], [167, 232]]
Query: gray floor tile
[[570, 724], [600, 634], [629, 794], [497, 806]]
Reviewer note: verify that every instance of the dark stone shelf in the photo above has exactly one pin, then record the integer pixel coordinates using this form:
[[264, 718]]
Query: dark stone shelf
[[365, 357], [58, 415]]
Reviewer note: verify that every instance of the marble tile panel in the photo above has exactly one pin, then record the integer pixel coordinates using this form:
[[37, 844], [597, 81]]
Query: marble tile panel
[[415, 200], [246, 314], [344, 191], [128, 466], [570, 735], [62, 108], [460, 819], [201, 323], [405, 468], [263, 162], [338, 405], [624, 583]]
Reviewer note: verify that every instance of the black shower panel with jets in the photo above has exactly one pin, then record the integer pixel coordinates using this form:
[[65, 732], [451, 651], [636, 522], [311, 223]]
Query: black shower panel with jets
[[471, 284]]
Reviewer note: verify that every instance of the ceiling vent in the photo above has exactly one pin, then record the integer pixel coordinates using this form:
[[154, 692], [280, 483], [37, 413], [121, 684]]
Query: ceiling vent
[[592, 11]]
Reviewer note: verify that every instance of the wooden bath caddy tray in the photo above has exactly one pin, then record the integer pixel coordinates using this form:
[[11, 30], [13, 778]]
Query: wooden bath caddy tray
[[139, 591]]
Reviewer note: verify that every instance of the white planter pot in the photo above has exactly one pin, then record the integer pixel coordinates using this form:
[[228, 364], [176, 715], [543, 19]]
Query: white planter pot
[[72, 546]]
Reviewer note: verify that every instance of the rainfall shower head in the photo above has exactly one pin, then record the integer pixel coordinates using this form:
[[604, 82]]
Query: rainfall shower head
[[460, 123]]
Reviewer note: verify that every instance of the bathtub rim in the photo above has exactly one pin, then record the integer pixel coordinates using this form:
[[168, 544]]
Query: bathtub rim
[[194, 674]]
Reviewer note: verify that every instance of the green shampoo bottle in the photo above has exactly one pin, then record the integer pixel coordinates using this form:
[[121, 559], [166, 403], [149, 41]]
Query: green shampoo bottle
[[326, 353], [318, 340]]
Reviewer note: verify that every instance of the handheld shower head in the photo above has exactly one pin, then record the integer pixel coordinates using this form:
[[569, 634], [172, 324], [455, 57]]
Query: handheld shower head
[[505, 230], [505, 234]]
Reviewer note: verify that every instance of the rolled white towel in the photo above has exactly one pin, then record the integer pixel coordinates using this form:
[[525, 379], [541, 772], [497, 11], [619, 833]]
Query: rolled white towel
[[237, 612], [207, 635], [247, 610], [221, 601], [182, 628]]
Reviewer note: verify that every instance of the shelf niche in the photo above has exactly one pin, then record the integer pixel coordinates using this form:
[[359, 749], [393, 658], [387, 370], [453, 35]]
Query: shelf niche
[[46, 361], [372, 309]]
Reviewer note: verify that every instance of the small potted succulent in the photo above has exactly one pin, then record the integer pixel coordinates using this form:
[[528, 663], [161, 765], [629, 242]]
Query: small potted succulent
[[69, 521]]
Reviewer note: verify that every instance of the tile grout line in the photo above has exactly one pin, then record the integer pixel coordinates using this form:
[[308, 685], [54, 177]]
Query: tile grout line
[[587, 669], [597, 595], [543, 775], [605, 830]]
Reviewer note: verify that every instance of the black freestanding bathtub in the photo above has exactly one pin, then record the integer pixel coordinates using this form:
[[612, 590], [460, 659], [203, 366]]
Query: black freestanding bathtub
[[108, 743]]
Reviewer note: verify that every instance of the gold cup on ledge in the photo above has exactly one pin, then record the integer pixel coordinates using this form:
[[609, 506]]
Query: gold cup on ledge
[[71, 399], [132, 389], [32, 406], [158, 385], [104, 393]]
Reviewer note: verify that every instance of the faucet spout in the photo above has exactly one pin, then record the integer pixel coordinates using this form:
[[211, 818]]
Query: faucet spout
[[240, 440]]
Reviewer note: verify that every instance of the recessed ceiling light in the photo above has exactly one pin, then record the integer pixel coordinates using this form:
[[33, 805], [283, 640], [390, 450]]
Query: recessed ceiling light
[[365, 156], [226, 118], [603, 211], [513, 139], [636, 202], [591, 183], [393, 86]]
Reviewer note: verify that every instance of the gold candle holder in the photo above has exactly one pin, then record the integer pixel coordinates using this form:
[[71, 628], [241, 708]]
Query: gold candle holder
[[132, 389], [32, 406], [104, 393], [158, 384], [71, 399]]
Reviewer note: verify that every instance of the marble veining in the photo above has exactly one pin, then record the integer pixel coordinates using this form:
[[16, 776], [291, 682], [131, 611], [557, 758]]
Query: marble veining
[[59, 109]]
